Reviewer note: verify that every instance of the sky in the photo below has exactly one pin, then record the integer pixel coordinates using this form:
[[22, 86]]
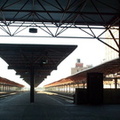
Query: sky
[[90, 52]]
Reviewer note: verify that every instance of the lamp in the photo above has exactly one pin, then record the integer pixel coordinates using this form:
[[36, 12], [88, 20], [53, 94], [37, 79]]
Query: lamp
[[33, 30], [44, 62]]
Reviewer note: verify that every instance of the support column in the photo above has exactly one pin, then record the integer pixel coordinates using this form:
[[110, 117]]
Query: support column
[[32, 84], [83, 84], [115, 83], [3, 87], [95, 88], [119, 38], [69, 87]]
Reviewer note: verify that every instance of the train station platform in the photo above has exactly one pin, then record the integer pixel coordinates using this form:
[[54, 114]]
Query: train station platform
[[51, 107]]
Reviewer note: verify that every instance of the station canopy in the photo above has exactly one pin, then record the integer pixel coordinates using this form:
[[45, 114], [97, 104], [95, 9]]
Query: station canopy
[[108, 68], [43, 59], [61, 14], [60, 11]]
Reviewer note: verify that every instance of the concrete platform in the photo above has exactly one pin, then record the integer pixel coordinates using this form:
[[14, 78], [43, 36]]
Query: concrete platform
[[51, 107]]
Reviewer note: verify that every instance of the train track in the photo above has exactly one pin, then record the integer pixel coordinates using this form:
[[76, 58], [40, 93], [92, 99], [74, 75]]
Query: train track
[[64, 96]]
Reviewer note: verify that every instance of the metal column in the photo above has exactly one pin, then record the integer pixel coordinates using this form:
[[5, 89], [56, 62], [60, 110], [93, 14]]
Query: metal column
[[119, 38], [115, 83], [32, 84]]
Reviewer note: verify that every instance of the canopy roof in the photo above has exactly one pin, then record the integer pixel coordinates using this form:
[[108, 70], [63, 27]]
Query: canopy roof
[[107, 68], [54, 17], [43, 58], [5, 81], [95, 12]]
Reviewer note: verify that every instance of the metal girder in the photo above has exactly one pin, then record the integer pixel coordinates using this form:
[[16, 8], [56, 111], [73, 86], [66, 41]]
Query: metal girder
[[58, 14], [28, 67], [38, 75]]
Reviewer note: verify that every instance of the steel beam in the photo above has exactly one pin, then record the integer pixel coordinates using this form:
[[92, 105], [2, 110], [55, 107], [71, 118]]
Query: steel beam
[[27, 67], [119, 39]]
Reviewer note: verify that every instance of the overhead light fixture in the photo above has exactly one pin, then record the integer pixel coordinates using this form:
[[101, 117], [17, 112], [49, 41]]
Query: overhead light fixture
[[44, 62], [33, 30]]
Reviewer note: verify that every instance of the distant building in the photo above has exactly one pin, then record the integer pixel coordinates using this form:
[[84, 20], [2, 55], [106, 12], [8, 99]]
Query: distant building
[[110, 53], [79, 67]]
